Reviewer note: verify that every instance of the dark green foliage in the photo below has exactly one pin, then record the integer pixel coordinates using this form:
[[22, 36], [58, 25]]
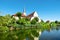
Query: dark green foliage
[[42, 21], [47, 21], [18, 14], [56, 21], [33, 22], [35, 33], [27, 19], [36, 18]]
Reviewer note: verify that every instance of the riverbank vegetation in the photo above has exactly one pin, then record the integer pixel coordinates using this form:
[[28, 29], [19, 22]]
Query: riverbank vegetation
[[7, 23]]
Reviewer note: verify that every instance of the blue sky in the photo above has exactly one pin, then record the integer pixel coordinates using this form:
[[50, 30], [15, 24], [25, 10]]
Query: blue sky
[[46, 9]]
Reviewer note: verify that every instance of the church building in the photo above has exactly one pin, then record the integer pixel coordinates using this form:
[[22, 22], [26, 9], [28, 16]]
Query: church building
[[31, 16]]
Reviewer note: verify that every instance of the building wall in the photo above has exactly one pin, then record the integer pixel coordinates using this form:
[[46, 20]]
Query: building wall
[[17, 18], [35, 15]]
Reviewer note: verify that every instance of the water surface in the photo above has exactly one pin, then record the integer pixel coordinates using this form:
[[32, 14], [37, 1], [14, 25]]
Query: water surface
[[50, 35]]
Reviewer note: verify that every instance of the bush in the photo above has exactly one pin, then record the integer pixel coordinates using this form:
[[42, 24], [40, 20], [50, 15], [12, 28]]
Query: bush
[[4, 28]]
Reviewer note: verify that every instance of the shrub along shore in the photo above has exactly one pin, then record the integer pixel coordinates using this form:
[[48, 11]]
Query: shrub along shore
[[7, 23]]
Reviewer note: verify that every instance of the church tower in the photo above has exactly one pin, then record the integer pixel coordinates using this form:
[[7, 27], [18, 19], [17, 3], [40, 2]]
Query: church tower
[[24, 12]]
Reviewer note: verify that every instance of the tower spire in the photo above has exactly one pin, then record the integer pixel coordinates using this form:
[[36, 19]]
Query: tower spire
[[24, 12]]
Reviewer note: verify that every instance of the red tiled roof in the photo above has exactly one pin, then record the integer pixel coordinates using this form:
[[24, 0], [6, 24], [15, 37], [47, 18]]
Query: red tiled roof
[[30, 15], [14, 15]]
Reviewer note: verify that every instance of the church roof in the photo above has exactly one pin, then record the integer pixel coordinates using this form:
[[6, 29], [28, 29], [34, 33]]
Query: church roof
[[30, 15], [23, 15], [14, 15]]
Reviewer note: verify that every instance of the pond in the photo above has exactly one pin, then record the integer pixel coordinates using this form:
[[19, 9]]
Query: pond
[[30, 34]]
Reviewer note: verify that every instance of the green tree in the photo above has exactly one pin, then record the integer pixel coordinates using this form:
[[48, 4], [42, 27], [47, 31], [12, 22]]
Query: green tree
[[5, 20], [42, 21], [47, 21], [18, 14], [27, 19], [56, 21], [21, 21], [36, 18], [53, 24], [34, 21]]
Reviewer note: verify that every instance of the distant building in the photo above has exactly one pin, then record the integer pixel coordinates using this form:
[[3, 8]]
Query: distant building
[[15, 16], [31, 16]]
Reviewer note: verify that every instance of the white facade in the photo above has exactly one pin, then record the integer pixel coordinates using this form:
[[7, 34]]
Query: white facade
[[35, 15], [16, 18], [24, 13]]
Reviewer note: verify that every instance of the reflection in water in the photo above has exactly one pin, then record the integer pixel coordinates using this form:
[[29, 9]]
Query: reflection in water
[[52, 35], [19, 35], [31, 34]]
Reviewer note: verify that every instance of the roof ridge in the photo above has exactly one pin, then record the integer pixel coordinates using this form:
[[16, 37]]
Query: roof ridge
[[31, 13]]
